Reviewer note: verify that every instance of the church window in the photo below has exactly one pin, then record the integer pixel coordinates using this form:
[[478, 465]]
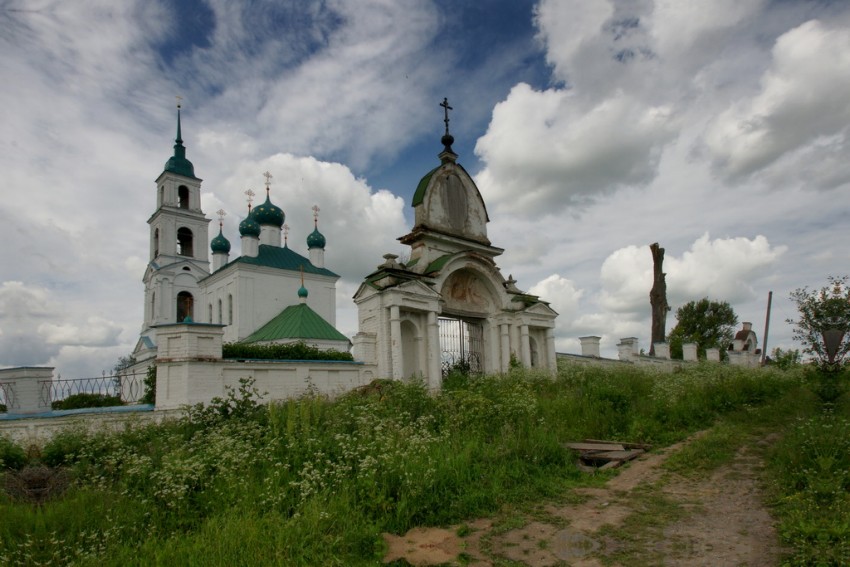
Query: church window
[[185, 307], [156, 242], [209, 311], [184, 241], [161, 195], [219, 312], [229, 309], [153, 306], [183, 197]]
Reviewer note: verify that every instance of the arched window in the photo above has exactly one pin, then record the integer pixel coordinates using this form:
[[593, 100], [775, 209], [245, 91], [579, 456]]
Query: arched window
[[161, 196], [230, 309], [185, 307], [220, 320], [156, 242], [209, 311], [153, 306], [184, 241], [183, 197]]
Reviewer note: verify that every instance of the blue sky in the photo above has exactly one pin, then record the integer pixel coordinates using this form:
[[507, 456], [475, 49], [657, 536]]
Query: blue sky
[[593, 129]]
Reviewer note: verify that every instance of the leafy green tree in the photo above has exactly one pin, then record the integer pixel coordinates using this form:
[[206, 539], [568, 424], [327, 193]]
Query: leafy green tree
[[820, 310], [786, 359], [708, 323]]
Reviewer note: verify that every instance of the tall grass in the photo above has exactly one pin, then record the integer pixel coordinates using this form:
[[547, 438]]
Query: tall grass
[[314, 481], [810, 469]]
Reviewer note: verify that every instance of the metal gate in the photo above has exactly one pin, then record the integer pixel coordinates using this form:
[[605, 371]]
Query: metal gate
[[461, 346]]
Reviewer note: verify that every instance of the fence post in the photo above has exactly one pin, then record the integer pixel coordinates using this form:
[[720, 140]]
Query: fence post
[[25, 383]]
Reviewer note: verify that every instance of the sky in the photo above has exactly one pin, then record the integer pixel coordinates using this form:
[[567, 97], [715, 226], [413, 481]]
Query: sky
[[718, 129]]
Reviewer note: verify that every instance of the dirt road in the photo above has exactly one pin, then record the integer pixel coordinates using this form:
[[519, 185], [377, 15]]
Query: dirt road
[[644, 516]]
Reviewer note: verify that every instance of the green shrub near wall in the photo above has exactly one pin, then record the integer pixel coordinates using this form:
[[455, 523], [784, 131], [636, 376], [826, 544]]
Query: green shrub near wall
[[289, 351], [84, 400]]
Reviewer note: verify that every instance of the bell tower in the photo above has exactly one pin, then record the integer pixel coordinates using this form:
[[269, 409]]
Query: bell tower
[[179, 254]]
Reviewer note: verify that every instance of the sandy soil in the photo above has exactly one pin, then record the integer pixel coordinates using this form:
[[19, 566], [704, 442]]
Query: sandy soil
[[722, 521]]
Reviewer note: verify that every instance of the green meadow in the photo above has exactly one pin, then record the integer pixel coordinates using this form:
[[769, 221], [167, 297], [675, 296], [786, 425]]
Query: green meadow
[[315, 481]]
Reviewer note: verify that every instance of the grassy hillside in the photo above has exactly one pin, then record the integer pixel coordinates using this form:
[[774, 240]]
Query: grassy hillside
[[315, 481]]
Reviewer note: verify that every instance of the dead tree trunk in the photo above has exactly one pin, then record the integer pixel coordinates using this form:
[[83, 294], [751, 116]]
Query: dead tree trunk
[[658, 298]]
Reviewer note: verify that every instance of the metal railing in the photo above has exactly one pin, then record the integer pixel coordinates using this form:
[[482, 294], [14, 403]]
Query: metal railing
[[7, 395], [128, 387]]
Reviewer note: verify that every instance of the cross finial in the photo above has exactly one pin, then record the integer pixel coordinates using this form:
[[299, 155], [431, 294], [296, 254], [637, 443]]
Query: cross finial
[[316, 210], [446, 108], [221, 214], [179, 101], [285, 235], [268, 177], [250, 195]]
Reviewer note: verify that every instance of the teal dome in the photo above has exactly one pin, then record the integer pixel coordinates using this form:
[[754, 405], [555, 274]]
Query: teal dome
[[316, 240], [220, 244], [302, 292], [249, 227], [267, 213]]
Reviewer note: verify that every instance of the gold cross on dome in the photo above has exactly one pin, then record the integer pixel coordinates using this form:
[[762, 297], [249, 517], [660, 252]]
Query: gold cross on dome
[[250, 195], [221, 214], [179, 100], [316, 210], [285, 234], [268, 177]]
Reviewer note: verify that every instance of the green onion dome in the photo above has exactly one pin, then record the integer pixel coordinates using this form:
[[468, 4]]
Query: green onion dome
[[249, 227], [220, 244], [267, 213], [316, 240], [302, 292]]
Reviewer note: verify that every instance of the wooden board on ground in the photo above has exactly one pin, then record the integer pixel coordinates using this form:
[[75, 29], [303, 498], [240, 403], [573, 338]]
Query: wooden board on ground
[[603, 455]]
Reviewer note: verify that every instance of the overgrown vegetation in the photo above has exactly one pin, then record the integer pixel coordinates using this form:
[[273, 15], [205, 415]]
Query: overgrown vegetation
[[314, 481], [289, 351], [86, 400]]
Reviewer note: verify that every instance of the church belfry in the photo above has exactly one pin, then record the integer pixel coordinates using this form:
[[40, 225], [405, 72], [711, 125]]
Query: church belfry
[[179, 255]]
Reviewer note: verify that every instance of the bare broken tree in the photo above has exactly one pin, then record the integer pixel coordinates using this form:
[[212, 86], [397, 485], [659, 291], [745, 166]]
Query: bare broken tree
[[658, 298]]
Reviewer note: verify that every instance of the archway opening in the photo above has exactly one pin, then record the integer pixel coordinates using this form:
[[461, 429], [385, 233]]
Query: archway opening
[[410, 349], [461, 345], [183, 197], [184, 241]]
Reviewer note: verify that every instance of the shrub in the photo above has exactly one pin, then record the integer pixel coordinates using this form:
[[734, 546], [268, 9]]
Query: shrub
[[289, 351], [149, 397], [84, 400], [12, 456]]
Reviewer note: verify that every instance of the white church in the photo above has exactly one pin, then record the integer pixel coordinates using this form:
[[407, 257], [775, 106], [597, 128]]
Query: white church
[[447, 306], [260, 296]]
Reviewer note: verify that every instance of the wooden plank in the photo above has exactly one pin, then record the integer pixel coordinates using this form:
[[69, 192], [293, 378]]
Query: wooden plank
[[596, 446], [643, 446], [618, 455], [610, 465]]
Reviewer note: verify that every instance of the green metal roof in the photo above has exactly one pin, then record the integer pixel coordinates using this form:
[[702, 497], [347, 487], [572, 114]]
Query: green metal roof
[[178, 163], [438, 264], [419, 195], [296, 322], [283, 259]]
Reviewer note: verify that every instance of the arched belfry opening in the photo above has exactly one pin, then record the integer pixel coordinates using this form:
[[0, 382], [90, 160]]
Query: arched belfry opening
[[183, 197], [184, 242]]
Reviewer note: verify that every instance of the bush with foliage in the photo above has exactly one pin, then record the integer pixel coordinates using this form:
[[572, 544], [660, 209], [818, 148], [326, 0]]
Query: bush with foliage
[[289, 351], [819, 311], [708, 323], [86, 400], [12, 456]]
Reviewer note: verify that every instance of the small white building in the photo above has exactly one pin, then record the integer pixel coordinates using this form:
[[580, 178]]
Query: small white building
[[449, 304]]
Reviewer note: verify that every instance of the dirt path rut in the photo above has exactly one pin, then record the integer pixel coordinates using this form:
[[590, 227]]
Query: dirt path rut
[[644, 516]]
